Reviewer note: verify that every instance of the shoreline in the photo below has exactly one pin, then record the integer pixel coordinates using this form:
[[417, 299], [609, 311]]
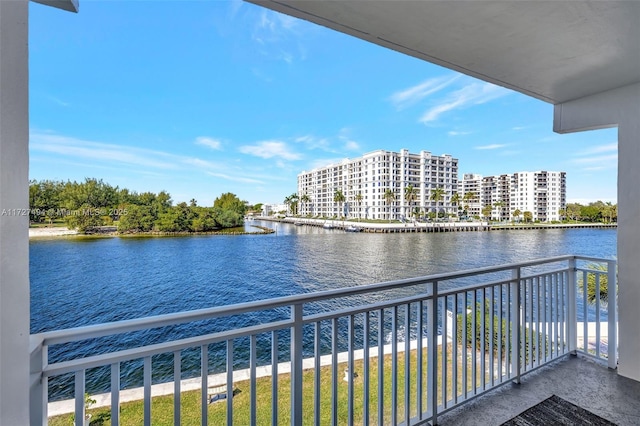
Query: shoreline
[[60, 231], [400, 227]]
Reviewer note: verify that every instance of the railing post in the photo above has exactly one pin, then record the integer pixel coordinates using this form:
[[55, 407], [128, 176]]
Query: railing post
[[432, 353], [79, 398], [515, 325], [572, 307], [115, 395], [612, 313], [296, 365], [38, 384]]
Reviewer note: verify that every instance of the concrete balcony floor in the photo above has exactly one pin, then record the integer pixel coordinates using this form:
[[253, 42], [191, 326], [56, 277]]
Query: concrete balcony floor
[[583, 382]]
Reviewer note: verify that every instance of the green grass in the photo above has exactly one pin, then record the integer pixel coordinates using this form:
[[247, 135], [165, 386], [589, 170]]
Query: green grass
[[56, 223], [162, 407]]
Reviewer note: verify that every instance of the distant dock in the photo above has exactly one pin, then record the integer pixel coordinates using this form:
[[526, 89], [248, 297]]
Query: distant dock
[[406, 227], [510, 227], [411, 227]]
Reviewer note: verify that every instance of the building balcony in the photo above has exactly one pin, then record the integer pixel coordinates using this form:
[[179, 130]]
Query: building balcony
[[468, 337]]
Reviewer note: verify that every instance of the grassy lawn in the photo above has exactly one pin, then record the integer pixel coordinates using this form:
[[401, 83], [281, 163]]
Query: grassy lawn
[[56, 223], [162, 407]]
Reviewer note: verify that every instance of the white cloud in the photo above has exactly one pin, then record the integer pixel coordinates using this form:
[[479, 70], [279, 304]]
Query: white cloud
[[407, 97], [475, 93], [610, 147], [270, 149], [491, 146], [102, 152], [597, 158], [209, 142], [278, 37], [201, 164], [234, 7], [58, 101], [350, 145], [235, 178], [346, 143], [311, 142], [457, 133], [112, 155], [604, 159]]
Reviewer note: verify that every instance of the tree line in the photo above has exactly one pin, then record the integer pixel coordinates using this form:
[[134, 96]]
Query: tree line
[[597, 211], [93, 203]]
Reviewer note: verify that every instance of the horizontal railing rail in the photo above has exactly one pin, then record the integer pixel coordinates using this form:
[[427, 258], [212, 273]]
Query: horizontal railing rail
[[410, 350]]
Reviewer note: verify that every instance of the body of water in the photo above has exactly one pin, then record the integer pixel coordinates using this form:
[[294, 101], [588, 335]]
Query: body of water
[[76, 282]]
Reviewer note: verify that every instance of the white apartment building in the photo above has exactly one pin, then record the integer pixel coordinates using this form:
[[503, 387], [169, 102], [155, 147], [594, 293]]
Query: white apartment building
[[271, 209], [541, 193], [374, 186], [496, 192], [469, 192]]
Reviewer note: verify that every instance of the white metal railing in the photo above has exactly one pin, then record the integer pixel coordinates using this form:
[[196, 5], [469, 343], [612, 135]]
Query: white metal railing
[[413, 349]]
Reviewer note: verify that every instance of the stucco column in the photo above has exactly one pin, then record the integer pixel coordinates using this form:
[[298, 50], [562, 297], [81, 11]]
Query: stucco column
[[14, 196], [619, 107], [629, 243]]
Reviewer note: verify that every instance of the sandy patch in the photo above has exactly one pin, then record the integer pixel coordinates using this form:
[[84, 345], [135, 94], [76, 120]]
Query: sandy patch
[[50, 232]]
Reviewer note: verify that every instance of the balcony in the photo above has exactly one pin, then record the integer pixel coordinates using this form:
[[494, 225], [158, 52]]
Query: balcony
[[468, 337], [578, 380]]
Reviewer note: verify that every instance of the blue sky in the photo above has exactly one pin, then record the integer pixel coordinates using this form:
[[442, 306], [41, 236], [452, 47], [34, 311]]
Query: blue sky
[[206, 97]]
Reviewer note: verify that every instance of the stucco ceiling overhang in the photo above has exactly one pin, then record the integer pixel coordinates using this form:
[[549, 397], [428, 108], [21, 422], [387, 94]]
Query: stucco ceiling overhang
[[555, 51]]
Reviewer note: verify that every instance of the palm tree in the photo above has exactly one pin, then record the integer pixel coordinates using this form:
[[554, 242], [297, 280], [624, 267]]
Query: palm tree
[[437, 195], [389, 197], [287, 202], [486, 212], [338, 197], [608, 211], [455, 201], [358, 199], [410, 194], [469, 197], [591, 284], [498, 205], [305, 199], [292, 202], [516, 214]]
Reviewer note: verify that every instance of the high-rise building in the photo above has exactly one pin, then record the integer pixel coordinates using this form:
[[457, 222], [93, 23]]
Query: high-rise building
[[541, 193], [469, 193], [496, 193], [380, 185]]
